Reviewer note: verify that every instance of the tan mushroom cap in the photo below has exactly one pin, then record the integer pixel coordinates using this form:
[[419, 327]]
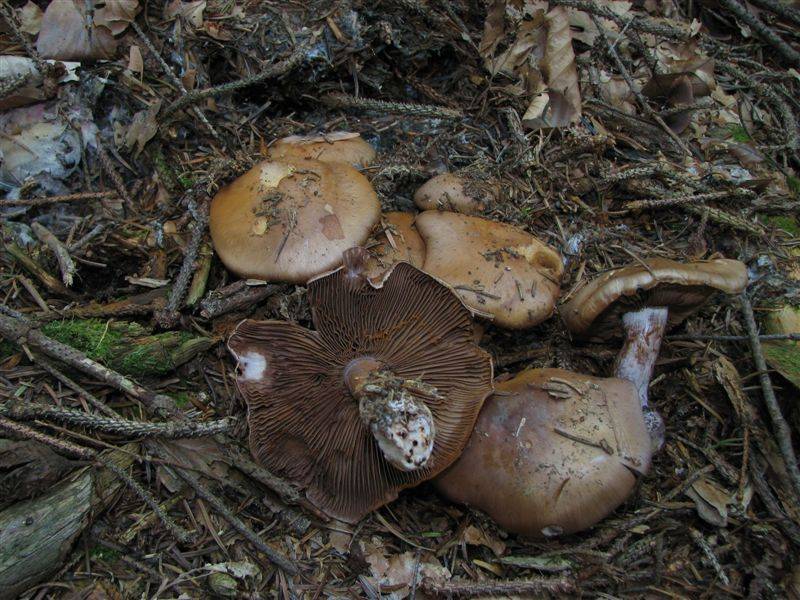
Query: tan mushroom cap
[[552, 452], [495, 268], [290, 220], [305, 425], [408, 245], [341, 146], [457, 193], [597, 308]]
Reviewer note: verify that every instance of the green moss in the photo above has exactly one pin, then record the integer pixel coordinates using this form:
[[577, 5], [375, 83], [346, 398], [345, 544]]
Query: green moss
[[739, 133], [786, 223], [794, 184], [784, 357], [105, 554], [128, 347], [181, 399]]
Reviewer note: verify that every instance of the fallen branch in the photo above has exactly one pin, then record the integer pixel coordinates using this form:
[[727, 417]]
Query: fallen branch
[[276, 70], [22, 411], [65, 262], [782, 432], [338, 100], [761, 30]]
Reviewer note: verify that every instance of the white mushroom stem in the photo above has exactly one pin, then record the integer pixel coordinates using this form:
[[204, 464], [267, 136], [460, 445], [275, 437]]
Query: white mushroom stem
[[390, 407], [644, 330]]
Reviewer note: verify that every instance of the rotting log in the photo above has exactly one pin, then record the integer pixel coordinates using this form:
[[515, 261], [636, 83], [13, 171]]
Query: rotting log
[[36, 535]]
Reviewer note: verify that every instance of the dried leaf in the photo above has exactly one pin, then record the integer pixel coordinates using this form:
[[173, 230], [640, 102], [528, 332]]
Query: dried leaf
[[475, 537], [680, 95], [561, 75], [68, 33], [711, 501], [116, 15], [399, 572], [30, 18], [584, 29], [143, 127], [135, 61], [37, 142], [191, 12], [216, 31]]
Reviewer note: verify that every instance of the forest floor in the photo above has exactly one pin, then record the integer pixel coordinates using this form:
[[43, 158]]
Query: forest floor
[[616, 130]]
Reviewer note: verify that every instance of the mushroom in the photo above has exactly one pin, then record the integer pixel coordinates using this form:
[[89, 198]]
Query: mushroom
[[496, 268], [381, 396], [397, 241], [553, 452], [290, 219], [341, 146], [458, 193], [640, 302]]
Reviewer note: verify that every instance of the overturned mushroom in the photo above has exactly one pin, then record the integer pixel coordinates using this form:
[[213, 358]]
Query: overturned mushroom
[[457, 193], [397, 241], [383, 395], [496, 268], [640, 302], [341, 146], [553, 452], [289, 220]]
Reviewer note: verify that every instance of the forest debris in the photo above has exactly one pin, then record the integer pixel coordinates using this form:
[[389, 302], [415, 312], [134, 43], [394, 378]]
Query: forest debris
[[784, 355], [35, 141], [69, 32], [65, 262], [28, 468], [401, 572], [143, 128], [30, 18], [191, 12], [560, 104], [44, 528], [31, 89], [711, 500]]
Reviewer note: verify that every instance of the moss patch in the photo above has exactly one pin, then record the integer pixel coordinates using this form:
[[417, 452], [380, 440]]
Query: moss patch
[[786, 223], [128, 347], [784, 355]]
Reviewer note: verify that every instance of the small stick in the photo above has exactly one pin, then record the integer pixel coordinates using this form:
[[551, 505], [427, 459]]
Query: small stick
[[735, 338], [215, 304], [761, 30], [110, 169], [657, 203], [169, 316], [35, 269], [757, 470], [31, 288], [276, 557], [338, 100], [171, 76], [698, 539], [636, 92], [782, 431], [536, 586], [275, 70], [56, 199], [65, 262], [20, 411], [45, 364], [93, 233], [638, 23], [784, 11]]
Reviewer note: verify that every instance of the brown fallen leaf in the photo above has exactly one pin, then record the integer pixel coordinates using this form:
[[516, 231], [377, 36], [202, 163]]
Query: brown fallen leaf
[[563, 104], [68, 32], [30, 18], [143, 127], [711, 500], [191, 12], [116, 15]]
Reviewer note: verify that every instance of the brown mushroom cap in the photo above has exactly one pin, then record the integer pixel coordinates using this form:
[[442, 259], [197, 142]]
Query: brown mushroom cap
[[494, 267], [290, 220], [457, 193], [341, 146], [304, 423], [552, 452], [408, 245], [597, 308]]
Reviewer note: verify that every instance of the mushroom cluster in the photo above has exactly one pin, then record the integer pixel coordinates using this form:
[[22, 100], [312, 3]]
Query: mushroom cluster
[[390, 389]]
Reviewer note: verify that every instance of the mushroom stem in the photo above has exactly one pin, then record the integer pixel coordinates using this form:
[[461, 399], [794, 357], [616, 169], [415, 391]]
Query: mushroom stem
[[390, 407], [643, 332]]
